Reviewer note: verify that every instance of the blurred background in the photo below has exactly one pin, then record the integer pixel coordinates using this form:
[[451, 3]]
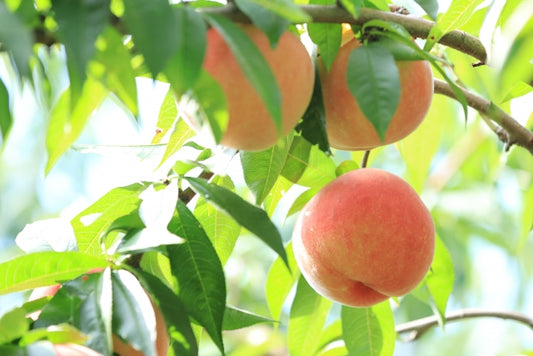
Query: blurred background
[[481, 198]]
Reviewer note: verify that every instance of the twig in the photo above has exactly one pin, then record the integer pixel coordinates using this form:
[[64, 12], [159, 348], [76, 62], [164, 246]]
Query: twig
[[364, 161], [417, 328], [515, 133]]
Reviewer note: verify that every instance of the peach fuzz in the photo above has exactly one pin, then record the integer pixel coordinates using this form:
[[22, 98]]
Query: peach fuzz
[[250, 125], [364, 237], [347, 127]]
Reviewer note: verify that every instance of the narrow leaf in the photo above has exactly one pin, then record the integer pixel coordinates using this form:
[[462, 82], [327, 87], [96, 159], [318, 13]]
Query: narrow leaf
[[153, 27], [65, 124], [272, 24], [249, 216], [16, 39], [199, 273], [6, 120], [183, 68], [45, 268], [13, 325], [352, 6], [374, 80], [307, 318], [90, 225], [252, 63], [431, 7], [284, 8], [261, 169], [235, 318], [180, 134], [79, 24], [297, 158], [168, 115], [369, 331]]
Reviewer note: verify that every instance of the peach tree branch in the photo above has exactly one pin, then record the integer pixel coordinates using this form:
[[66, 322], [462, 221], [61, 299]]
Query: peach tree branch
[[514, 133], [417, 328]]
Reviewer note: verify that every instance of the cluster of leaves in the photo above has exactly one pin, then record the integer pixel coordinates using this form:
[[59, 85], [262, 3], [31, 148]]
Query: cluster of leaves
[[152, 235]]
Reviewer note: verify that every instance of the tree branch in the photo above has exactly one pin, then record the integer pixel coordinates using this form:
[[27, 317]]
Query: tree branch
[[515, 133], [418, 327], [416, 26]]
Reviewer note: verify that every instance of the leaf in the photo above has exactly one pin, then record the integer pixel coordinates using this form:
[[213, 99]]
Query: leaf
[[352, 6], [153, 26], [261, 169], [272, 24], [331, 333], [13, 325], [235, 318], [16, 39], [184, 67], [313, 124], [112, 65], [65, 124], [199, 273], [168, 115], [54, 234], [297, 158], [45, 268], [182, 339], [222, 230], [431, 7], [180, 134], [280, 281], [319, 171], [437, 286], [456, 16], [6, 120], [90, 225], [133, 315], [249, 216], [284, 8], [527, 215], [369, 331], [307, 318], [328, 38], [374, 81], [252, 63], [79, 24]]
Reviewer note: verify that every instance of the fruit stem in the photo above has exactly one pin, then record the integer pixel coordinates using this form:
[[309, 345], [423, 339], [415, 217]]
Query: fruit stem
[[364, 161]]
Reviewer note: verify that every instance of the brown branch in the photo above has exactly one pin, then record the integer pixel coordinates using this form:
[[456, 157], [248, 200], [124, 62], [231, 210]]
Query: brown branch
[[418, 327], [515, 133], [416, 26]]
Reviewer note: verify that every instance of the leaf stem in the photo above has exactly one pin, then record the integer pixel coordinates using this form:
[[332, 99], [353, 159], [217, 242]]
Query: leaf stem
[[418, 327]]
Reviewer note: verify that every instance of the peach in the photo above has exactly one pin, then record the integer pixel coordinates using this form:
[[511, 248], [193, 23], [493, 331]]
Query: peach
[[347, 127], [364, 237], [250, 126]]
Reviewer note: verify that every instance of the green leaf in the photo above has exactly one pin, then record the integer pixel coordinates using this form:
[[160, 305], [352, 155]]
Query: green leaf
[[205, 107], [352, 6], [252, 63], [45, 268], [168, 115], [222, 230], [262, 169], [16, 39], [527, 215], [182, 339], [249, 216], [235, 318], [6, 120], [199, 273], [307, 318], [345, 167], [180, 134], [284, 8], [153, 26], [313, 124], [184, 67], [331, 333], [437, 286], [456, 16], [431, 7], [297, 158], [320, 169], [13, 325], [369, 331], [65, 124], [91, 224], [374, 81], [112, 65], [272, 24], [328, 37], [133, 315], [280, 281], [79, 24]]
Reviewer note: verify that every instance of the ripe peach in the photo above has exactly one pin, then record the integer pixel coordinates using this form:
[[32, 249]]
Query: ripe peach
[[119, 346], [364, 237], [250, 125], [347, 127]]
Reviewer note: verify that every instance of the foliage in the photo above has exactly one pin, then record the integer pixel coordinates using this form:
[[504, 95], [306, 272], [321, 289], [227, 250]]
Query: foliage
[[175, 235]]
